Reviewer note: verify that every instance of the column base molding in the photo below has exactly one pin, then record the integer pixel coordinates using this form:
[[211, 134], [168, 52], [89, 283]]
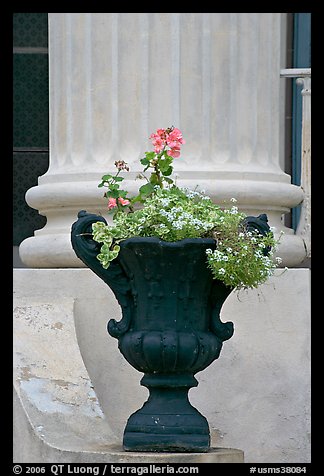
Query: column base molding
[[61, 201]]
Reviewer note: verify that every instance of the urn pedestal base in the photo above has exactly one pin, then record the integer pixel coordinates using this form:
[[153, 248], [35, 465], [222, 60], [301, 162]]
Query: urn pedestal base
[[167, 422]]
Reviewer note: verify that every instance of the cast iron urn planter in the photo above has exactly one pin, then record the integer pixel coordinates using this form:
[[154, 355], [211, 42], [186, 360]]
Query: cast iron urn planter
[[170, 328]]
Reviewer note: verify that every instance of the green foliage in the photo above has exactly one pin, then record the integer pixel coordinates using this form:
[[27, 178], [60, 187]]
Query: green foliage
[[173, 214], [241, 259], [161, 165], [108, 251]]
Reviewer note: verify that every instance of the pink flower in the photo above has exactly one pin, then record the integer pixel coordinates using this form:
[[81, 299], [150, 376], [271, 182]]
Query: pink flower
[[171, 137], [112, 203], [123, 201], [158, 140], [175, 136], [174, 152], [158, 144], [161, 132]]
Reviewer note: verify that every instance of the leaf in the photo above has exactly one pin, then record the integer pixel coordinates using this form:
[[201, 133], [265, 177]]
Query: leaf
[[123, 193], [165, 165], [146, 189], [114, 193], [104, 178], [168, 171], [145, 161], [136, 199], [113, 186], [150, 155], [154, 179], [118, 179]]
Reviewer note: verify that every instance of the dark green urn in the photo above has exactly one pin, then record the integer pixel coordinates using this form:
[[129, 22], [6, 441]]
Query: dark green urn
[[170, 330]]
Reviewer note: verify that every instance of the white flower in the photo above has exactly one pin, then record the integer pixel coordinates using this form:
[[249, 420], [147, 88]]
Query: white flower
[[176, 209], [278, 259], [178, 225], [218, 255], [221, 271], [233, 200]]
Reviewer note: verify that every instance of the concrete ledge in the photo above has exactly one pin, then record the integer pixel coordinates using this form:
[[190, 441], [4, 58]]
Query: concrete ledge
[[57, 416], [55, 405], [74, 391], [31, 446], [215, 455]]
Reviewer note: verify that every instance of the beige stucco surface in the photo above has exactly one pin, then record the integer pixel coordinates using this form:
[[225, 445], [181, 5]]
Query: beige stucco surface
[[74, 391]]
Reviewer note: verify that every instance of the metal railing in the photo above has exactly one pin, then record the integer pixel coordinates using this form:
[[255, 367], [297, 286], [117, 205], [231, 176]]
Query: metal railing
[[303, 78]]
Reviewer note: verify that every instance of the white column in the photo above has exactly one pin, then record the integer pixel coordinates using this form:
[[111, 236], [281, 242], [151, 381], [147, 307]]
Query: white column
[[116, 77]]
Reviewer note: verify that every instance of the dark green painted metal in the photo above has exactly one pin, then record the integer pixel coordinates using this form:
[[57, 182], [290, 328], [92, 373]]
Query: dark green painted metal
[[30, 29], [170, 328], [27, 167], [30, 101], [259, 225], [30, 117]]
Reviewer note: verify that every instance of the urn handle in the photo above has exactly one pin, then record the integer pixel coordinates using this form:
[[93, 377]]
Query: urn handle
[[260, 225], [219, 293], [87, 250]]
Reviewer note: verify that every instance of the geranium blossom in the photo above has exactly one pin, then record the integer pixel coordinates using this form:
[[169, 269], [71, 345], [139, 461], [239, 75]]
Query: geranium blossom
[[174, 138], [174, 152], [112, 203], [171, 137], [123, 201]]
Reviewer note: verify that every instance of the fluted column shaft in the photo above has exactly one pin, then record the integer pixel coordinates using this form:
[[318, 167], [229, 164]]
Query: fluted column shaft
[[116, 77]]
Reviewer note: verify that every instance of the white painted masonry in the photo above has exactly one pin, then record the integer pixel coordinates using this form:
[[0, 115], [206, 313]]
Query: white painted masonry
[[116, 77]]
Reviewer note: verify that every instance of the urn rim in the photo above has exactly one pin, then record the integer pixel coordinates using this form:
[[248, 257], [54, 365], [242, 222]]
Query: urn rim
[[170, 244]]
